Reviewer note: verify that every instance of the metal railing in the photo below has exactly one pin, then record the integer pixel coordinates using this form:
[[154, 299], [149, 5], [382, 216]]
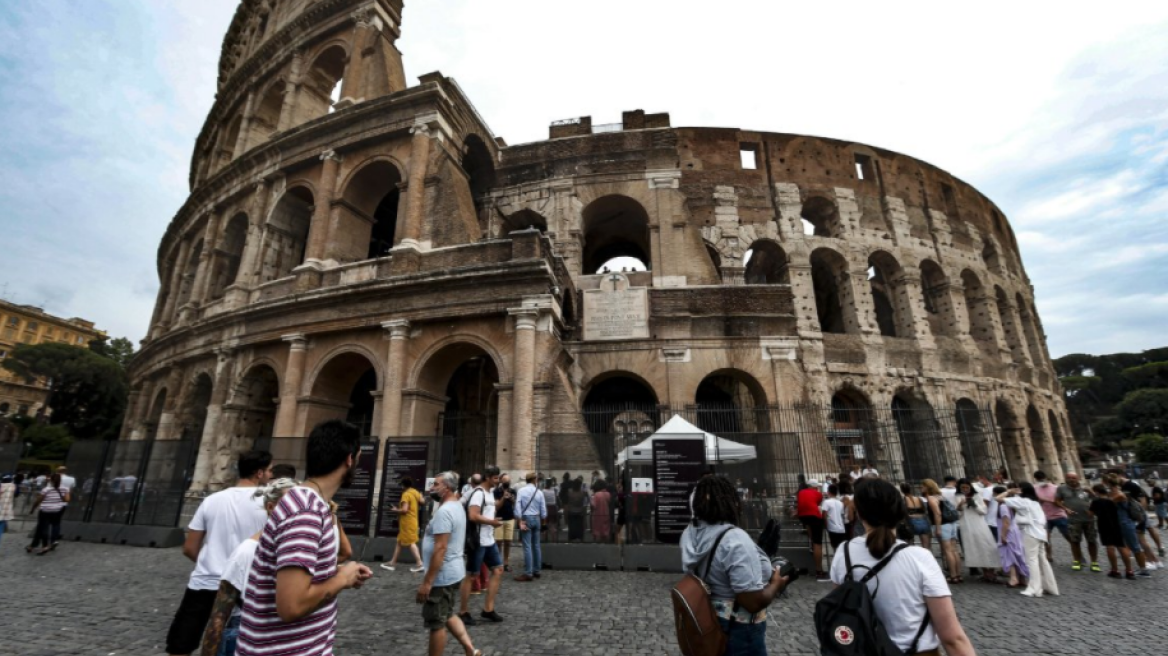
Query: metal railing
[[608, 127]]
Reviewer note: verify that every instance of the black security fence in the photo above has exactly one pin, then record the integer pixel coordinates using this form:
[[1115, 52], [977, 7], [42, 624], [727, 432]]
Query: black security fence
[[10, 453], [140, 483]]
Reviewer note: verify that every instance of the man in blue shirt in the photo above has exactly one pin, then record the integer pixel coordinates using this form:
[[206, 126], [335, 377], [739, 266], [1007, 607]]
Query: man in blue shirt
[[442, 553], [531, 508]]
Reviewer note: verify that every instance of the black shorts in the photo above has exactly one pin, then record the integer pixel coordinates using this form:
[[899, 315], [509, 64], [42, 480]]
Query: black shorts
[[836, 539], [186, 630], [814, 526]]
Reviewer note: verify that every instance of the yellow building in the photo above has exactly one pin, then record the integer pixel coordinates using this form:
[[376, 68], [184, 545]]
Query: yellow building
[[24, 324]]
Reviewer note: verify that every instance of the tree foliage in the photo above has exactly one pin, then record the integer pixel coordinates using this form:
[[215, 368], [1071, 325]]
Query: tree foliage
[[1096, 384], [1144, 409], [1151, 447], [49, 442], [120, 349], [87, 391]]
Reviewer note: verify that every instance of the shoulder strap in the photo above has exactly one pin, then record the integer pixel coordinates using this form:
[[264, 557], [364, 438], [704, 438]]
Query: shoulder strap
[[709, 557], [875, 569], [471, 497], [920, 632], [523, 511]]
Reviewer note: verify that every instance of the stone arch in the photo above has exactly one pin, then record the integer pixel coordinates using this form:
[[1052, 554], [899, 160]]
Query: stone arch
[[154, 418], [371, 196], [320, 85], [254, 398], [979, 448], [990, 255], [479, 165], [977, 306], [834, 298], [886, 284], [227, 142], [192, 417], [265, 118], [730, 401], [229, 254], [852, 429], [621, 402], [457, 397], [1012, 437], [928, 453], [1009, 326], [615, 226], [524, 219], [1029, 330], [768, 264], [1041, 442], [820, 217], [287, 233], [342, 386], [1064, 450], [715, 259], [190, 271], [939, 311]]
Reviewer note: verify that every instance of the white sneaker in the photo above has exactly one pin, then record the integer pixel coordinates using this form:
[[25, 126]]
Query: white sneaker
[[387, 566], [415, 570]]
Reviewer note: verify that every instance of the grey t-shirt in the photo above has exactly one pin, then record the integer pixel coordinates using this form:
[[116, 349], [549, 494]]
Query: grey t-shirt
[[738, 566], [1077, 501], [450, 518]]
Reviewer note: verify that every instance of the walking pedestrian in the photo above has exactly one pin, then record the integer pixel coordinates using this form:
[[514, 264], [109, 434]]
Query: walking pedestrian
[[1031, 519], [7, 502], [1139, 497], [1054, 509], [1080, 524], [51, 501], [505, 513], [1129, 515], [1011, 553], [981, 552], [222, 522], [918, 515], [480, 507], [442, 556], [407, 525], [601, 522], [291, 605], [742, 581], [807, 509], [914, 602], [533, 513], [833, 515], [1106, 513], [945, 509]]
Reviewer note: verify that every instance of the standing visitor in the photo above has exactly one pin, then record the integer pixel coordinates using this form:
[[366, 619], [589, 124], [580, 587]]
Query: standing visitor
[[1139, 498], [7, 502], [533, 513], [833, 514], [505, 513], [945, 511], [986, 489], [1053, 508], [918, 515], [551, 502], [1160, 503], [1011, 553], [742, 582], [1129, 514], [1031, 519], [855, 474], [291, 601], [981, 551], [442, 553], [1077, 503], [574, 509], [807, 503], [870, 471], [480, 507], [222, 632], [51, 501], [914, 603], [407, 525], [601, 524], [223, 521], [1106, 513]]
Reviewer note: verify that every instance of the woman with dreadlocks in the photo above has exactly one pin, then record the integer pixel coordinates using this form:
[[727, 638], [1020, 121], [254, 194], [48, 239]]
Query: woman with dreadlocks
[[740, 577]]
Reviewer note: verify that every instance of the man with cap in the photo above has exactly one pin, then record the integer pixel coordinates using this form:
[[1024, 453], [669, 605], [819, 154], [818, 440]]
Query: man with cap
[[807, 503]]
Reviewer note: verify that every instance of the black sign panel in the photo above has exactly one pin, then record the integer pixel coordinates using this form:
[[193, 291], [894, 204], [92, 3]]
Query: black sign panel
[[678, 464], [402, 459], [355, 503]]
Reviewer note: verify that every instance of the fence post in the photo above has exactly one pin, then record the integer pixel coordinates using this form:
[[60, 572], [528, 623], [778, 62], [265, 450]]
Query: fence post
[[143, 466]]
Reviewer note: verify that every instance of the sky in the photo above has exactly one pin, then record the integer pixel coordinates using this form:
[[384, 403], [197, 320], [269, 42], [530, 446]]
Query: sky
[[1056, 111]]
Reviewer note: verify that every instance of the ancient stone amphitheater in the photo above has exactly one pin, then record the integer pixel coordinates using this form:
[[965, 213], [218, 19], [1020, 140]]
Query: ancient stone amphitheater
[[355, 247]]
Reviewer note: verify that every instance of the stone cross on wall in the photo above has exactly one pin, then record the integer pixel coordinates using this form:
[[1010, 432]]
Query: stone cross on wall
[[614, 283]]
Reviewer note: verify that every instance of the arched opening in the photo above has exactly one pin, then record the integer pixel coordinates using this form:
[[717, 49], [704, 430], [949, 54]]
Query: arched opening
[[194, 412], [979, 449], [730, 401], [1011, 431], [1039, 440], [716, 260], [480, 173], [320, 88], [820, 217], [1009, 326], [227, 142], [190, 271], [229, 255], [4, 408], [620, 403], [884, 281], [155, 416], [254, 402], [766, 264], [373, 195], [1033, 343], [344, 390], [997, 219], [829, 277], [287, 234], [938, 306], [523, 220], [927, 453], [989, 255], [615, 227], [1064, 452], [265, 120], [977, 306], [461, 404], [852, 430]]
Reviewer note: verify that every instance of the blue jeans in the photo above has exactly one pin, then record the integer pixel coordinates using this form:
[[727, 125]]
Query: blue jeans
[[532, 555], [744, 639], [230, 637]]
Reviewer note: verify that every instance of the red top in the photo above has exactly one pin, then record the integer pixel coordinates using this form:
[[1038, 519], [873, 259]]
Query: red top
[[807, 502]]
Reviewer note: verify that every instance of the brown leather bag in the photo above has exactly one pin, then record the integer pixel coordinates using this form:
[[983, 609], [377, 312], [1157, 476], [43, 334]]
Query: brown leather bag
[[694, 617]]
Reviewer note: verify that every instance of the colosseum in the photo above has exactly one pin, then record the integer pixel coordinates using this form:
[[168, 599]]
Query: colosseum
[[353, 247]]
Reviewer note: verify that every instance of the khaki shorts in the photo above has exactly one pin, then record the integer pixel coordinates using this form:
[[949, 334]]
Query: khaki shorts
[[506, 532], [1076, 531], [439, 606]]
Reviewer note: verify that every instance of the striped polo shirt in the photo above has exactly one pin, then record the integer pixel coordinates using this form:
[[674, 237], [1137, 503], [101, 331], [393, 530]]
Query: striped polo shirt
[[299, 533], [54, 499]]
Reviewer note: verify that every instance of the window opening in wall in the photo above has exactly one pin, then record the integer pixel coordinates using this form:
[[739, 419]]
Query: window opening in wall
[[950, 200], [766, 264], [748, 155], [828, 271], [335, 96], [615, 227], [820, 217], [622, 264], [808, 228], [864, 170], [997, 221]]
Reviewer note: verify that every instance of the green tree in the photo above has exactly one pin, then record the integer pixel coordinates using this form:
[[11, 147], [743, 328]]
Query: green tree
[[87, 391], [1144, 409], [48, 442], [1151, 447], [120, 349]]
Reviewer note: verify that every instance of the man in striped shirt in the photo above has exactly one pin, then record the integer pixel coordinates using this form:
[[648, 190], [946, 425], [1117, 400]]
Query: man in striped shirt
[[290, 606]]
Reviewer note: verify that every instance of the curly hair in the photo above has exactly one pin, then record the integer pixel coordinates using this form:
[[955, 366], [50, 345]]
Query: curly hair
[[715, 501]]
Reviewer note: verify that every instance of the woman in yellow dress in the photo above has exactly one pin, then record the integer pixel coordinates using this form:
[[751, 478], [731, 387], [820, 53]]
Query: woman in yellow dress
[[407, 525]]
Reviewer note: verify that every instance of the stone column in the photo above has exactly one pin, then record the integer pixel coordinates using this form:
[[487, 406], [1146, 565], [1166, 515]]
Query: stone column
[[165, 427], [910, 298], [293, 372], [211, 441], [240, 145], [365, 35], [176, 275], [291, 92], [132, 401], [416, 186], [519, 448], [138, 419], [395, 369], [255, 236], [318, 231], [206, 274]]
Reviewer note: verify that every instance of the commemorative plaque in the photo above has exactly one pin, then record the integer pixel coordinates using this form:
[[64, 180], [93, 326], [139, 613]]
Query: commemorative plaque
[[616, 311]]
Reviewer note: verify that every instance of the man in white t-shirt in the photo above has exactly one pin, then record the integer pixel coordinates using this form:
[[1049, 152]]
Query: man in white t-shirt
[[985, 488], [480, 505], [67, 481], [223, 521], [833, 513]]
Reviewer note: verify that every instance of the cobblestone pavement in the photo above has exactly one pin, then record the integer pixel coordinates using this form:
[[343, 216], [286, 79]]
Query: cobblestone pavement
[[111, 600]]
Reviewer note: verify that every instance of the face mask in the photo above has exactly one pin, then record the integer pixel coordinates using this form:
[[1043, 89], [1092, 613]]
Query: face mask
[[436, 495]]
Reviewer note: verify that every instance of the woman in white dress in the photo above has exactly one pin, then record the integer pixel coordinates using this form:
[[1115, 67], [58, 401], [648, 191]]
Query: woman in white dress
[[1023, 500], [981, 551]]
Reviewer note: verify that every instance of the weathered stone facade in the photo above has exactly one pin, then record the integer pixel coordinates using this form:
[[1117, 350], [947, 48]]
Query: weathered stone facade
[[384, 257]]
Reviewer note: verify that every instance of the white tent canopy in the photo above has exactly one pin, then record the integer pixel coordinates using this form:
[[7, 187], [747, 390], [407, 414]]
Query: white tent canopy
[[718, 449]]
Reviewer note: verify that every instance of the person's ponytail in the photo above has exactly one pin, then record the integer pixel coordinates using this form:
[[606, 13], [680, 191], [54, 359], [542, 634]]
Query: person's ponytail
[[882, 508], [880, 540]]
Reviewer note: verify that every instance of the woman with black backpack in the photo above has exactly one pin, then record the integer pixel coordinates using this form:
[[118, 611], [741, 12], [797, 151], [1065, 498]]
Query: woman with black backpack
[[909, 591]]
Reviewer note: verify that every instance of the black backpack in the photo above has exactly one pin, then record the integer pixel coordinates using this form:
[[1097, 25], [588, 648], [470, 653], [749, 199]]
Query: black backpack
[[846, 621], [472, 529]]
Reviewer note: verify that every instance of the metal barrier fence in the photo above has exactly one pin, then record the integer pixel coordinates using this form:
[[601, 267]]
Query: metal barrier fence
[[10, 453], [140, 483]]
